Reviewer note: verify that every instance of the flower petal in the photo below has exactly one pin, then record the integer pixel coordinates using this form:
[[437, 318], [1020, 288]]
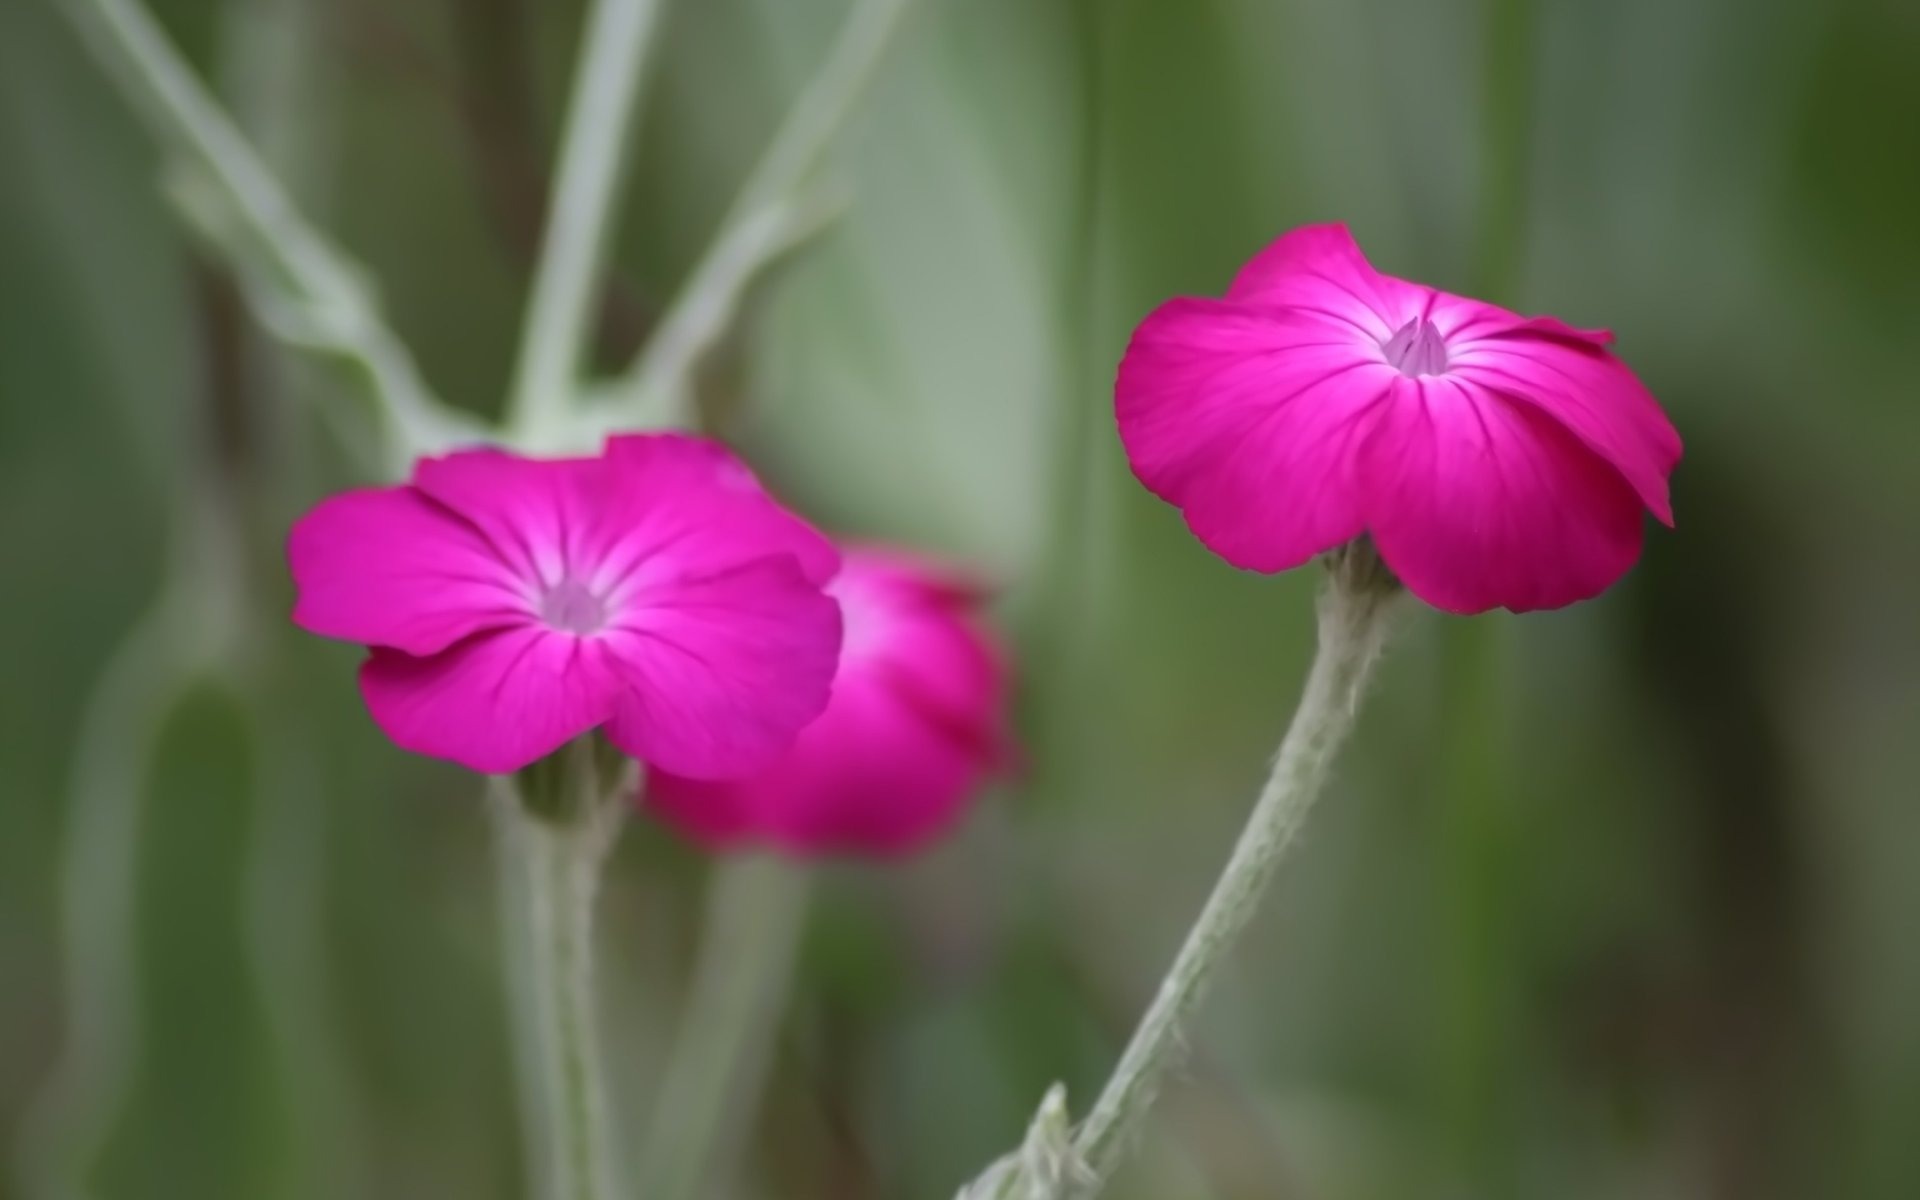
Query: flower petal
[[1477, 502], [870, 776], [389, 567], [722, 672], [914, 580], [671, 486], [537, 513], [1320, 268], [1585, 388], [1249, 420], [940, 666], [495, 702], [1556, 328]]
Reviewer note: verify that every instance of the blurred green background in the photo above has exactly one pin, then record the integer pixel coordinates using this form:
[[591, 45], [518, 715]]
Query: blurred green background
[[1631, 914]]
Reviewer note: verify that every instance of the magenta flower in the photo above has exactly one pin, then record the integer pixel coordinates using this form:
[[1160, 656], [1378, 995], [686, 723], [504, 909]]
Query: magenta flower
[[916, 724], [1495, 460], [513, 604]]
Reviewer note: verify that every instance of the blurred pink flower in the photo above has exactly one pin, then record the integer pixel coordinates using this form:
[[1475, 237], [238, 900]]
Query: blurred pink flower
[[916, 724], [1495, 460], [513, 604]]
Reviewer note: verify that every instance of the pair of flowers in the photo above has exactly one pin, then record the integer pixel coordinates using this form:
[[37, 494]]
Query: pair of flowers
[[782, 691]]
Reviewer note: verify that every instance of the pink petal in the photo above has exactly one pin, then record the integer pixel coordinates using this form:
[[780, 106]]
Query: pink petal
[[916, 723], [911, 626], [389, 567], [941, 666], [1477, 502], [653, 505], [1319, 268], [1554, 327], [1249, 422], [912, 579], [870, 776], [493, 703], [536, 513], [723, 672], [1588, 390], [691, 502]]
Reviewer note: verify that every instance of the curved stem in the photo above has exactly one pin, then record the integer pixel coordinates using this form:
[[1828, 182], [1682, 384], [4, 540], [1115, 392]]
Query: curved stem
[[305, 290], [1354, 611], [67, 1128], [551, 856], [777, 208], [613, 59], [1353, 626], [186, 636], [281, 97], [1063, 613], [756, 908], [1506, 145], [1477, 832]]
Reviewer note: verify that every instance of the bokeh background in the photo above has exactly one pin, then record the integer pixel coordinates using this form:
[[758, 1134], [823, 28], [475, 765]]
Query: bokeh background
[[1613, 902]]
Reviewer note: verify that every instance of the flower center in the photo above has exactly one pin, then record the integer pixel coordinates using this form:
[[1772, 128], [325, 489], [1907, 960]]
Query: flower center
[[570, 606], [862, 619], [1416, 349]]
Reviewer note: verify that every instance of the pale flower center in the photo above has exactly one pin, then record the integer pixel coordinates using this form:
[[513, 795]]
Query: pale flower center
[[571, 606], [1416, 349], [862, 619]]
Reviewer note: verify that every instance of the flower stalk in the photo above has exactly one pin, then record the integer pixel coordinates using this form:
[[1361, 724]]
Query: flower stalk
[[606, 91], [1355, 610], [304, 289], [779, 207], [557, 823], [1473, 774], [756, 908]]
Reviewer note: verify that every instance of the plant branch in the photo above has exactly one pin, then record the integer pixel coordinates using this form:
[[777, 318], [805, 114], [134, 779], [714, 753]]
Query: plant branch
[[307, 292], [756, 907], [607, 84], [186, 636], [1354, 612], [553, 845], [778, 208]]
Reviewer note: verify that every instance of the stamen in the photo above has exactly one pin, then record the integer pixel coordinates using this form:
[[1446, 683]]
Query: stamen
[[570, 606], [1417, 348]]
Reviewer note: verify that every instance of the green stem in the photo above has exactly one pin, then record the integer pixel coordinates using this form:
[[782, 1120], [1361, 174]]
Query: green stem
[[1354, 618], [67, 1127], [305, 290], [1475, 847], [756, 908], [185, 637], [1506, 146], [281, 95], [606, 90], [1475, 777], [1353, 627], [776, 210], [1061, 616], [551, 858]]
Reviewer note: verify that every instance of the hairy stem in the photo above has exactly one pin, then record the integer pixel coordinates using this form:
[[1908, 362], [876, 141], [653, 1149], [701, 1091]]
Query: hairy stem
[[551, 857], [776, 210], [606, 89], [1475, 781], [186, 637], [1353, 626], [755, 910], [1354, 612], [305, 290]]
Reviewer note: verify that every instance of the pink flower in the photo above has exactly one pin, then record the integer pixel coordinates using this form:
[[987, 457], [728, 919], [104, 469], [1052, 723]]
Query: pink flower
[[1495, 460], [513, 604], [916, 724]]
